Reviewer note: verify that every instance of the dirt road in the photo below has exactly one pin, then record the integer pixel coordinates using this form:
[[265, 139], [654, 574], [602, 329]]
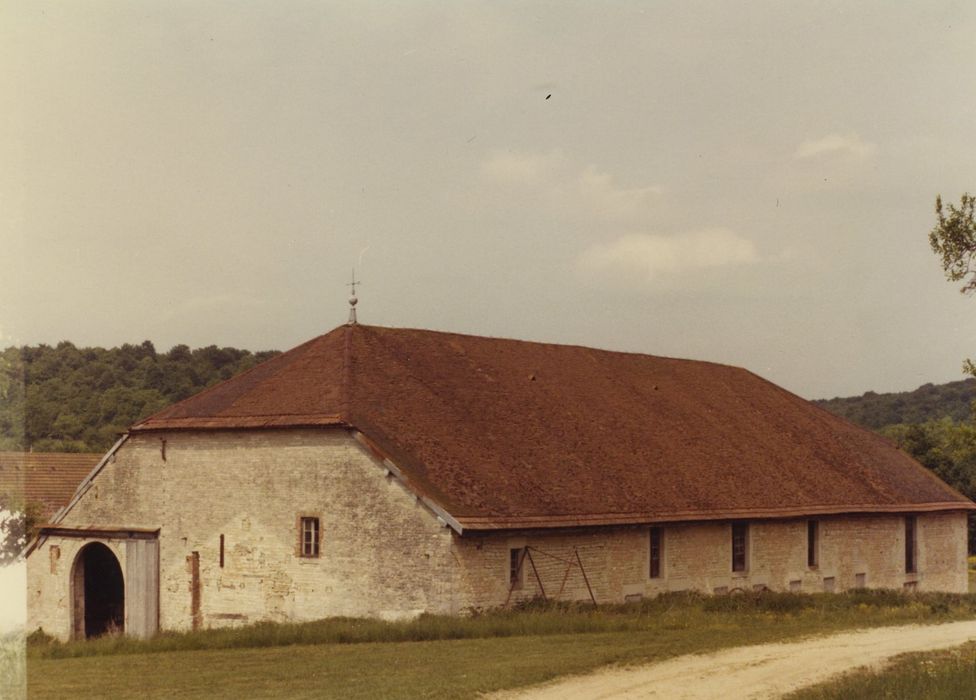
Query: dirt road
[[763, 671]]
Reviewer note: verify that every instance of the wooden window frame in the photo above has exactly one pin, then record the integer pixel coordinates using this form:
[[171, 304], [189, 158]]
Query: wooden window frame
[[315, 552], [740, 559], [655, 552], [813, 544]]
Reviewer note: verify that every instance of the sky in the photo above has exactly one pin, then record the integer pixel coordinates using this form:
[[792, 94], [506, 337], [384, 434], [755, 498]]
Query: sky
[[750, 183]]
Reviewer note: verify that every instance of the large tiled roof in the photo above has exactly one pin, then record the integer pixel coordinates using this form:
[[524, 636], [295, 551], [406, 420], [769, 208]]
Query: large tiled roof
[[47, 478], [505, 433]]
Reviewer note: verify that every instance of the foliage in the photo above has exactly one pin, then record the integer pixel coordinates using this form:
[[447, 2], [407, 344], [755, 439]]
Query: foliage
[[954, 240], [18, 526], [70, 399], [927, 403], [946, 447], [669, 610]]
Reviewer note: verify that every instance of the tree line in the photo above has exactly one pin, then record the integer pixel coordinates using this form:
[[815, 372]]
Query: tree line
[[930, 402], [68, 399]]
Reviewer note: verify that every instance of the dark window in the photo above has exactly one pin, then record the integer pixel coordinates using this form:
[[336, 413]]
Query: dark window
[[515, 559], [910, 545], [310, 537], [656, 549], [221, 551], [813, 544], [740, 546]]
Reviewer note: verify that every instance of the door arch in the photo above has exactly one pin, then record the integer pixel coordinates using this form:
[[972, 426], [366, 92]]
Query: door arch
[[98, 592]]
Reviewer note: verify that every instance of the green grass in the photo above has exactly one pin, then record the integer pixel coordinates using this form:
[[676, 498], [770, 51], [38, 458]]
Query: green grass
[[448, 657], [939, 675]]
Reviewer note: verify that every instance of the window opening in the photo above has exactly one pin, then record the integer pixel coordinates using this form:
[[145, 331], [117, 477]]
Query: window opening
[[911, 565], [515, 574], [740, 546], [813, 544], [655, 553], [310, 537]]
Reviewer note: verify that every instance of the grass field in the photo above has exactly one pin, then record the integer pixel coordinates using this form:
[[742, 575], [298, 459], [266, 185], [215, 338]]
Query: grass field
[[452, 657], [940, 675]]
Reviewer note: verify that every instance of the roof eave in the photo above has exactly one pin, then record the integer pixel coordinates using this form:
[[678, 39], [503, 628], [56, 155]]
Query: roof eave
[[240, 423], [473, 524]]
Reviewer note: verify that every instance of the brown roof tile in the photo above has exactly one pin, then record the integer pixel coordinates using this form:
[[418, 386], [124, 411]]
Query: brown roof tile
[[47, 478], [506, 433]]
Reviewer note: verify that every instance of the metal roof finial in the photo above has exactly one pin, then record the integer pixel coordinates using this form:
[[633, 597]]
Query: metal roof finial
[[352, 299]]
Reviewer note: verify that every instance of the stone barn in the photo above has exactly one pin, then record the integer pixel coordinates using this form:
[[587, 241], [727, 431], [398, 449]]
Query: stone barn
[[388, 472]]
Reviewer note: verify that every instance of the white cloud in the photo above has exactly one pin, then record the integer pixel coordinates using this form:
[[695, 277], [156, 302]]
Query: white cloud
[[568, 186], [526, 169], [652, 256], [611, 201], [835, 145]]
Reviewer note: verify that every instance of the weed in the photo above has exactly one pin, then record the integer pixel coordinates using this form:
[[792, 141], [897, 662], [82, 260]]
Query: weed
[[672, 611]]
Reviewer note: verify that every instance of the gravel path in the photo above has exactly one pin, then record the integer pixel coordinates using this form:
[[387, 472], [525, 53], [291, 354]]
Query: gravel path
[[762, 671]]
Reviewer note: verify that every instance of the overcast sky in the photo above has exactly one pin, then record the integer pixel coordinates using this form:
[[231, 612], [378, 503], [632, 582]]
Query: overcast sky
[[750, 183]]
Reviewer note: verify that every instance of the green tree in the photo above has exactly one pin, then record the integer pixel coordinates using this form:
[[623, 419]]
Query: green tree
[[19, 523], [954, 240], [71, 399]]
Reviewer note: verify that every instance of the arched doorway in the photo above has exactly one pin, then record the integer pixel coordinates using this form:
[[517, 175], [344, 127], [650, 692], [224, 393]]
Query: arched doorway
[[98, 592]]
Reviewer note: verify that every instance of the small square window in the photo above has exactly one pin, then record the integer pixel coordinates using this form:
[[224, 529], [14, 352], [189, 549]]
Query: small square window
[[310, 533]]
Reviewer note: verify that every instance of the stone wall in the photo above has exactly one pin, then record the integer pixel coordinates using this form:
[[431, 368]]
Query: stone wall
[[853, 551], [384, 554]]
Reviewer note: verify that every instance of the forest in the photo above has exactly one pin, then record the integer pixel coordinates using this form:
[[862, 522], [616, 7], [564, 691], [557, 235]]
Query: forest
[[70, 399], [928, 402]]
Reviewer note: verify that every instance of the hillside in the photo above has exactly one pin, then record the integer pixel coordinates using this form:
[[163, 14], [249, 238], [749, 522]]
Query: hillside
[[70, 399], [930, 402]]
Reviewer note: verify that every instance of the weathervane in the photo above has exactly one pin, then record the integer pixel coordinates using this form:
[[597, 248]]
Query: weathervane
[[352, 298]]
